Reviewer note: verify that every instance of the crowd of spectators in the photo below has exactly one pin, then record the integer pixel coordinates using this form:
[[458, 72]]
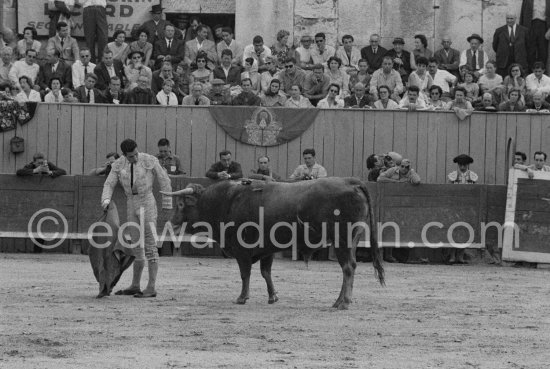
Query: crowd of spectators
[[166, 65]]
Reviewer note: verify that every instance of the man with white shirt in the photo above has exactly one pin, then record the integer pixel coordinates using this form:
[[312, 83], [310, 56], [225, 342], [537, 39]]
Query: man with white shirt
[[474, 57], [82, 67], [322, 52], [304, 53], [537, 82], [271, 73], [94, 19], [107, 69], [6, 63], [509, 44], [64, 43], [229, 43], [349, 54], [25, 67], [441, 78], [258, 52]]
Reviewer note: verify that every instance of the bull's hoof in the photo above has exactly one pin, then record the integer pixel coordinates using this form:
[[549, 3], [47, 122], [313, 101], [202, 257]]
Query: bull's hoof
[[273, 299], [101, 295], [341, 305], [241, 300]]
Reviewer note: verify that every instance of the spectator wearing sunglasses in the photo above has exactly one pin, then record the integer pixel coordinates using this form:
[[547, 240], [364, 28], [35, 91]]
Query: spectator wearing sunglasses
[[332, 101], [291, 76], [25, 67], [400, 174], [321, 53]]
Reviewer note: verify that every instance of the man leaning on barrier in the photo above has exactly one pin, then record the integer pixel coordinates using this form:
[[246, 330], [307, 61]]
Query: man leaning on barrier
[[136, 171], [40, 165]]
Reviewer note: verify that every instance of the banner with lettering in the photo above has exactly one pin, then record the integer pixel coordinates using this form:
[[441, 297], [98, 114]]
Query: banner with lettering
[[263, 126], [121, 14]]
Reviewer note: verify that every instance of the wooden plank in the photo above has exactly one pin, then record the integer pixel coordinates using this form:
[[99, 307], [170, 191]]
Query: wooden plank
[[77, 139], [141, 126], [421, 163], [383, 131], [328, 144], [511, 132], [111, 135], [359, 169], [211, 147], [52, 123], [42, 130], [477, 144], [441, 151], [183, 139], [536, 132], [318, 140], [495, 142], [545, 134], [399, 132], [120, 126], [285, 169], [410, 150], [90, 135], [64, 128], [452, 142], [431, 150], [102, 137], [198, 153], [128, 116], [523, 133], [343, 144], [464, 136], [155, 128]]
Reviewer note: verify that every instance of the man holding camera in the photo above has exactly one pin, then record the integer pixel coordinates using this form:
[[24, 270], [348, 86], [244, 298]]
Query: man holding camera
[[40, 165], [309, 170]]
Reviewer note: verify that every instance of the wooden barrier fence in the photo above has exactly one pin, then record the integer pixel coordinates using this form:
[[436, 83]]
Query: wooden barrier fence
[[78, 136], [410, 208]]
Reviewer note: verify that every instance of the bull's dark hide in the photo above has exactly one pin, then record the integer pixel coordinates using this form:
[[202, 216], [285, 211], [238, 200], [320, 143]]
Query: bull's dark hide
[[108, 268]]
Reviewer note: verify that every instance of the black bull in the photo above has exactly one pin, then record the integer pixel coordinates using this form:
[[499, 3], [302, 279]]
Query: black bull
[[334, 203]]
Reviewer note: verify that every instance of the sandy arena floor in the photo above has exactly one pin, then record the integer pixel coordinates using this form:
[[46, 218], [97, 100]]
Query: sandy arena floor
[[473, 316]]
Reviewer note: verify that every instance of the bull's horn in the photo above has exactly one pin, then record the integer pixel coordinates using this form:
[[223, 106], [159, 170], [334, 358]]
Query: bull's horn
[[185, 191]]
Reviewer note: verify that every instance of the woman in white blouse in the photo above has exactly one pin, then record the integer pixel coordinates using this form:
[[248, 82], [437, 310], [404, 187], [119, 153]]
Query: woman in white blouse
[[54, 96], [296, 100], [119, 48], [338, 76], [135, 69], [166, 97], [332, 101], [385, 102], [27, 93]]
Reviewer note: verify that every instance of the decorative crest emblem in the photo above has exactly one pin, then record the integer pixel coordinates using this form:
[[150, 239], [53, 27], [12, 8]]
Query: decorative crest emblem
[[262, 128]]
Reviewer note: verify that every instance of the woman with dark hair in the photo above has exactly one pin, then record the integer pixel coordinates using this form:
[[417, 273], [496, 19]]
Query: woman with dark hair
[[54, 96], [28, 42], [135, 69], [332, 101], [141, 44], [514, 80], [385, 102], [514, 102], [421, 47], [337, 76], [27, 93], [273, 96], [462, 107], [251, 73], [202, 74], [119, 47], [434, 101], [421, 78]]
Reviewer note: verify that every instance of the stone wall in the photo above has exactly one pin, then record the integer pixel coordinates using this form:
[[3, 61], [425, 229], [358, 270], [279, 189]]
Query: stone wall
[[360, 18]]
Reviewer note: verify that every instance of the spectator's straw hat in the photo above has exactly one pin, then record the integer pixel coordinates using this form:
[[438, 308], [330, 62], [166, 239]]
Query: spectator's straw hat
[[463, 159], [156, 9], [217, 81], [476, 36], [398, 40]]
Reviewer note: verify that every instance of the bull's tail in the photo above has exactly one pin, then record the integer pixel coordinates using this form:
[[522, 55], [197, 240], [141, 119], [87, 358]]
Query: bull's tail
[[376, 254]]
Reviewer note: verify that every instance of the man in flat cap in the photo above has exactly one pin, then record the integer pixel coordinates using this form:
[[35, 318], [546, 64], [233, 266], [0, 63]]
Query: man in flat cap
[[463, 175], [474, 57], [218, 95]]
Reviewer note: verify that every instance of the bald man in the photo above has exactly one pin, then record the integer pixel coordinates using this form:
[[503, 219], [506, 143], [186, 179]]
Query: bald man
[[447, 57], [509, 44]]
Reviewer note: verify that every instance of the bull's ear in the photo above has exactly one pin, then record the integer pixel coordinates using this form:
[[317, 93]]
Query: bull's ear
[[190, 200]]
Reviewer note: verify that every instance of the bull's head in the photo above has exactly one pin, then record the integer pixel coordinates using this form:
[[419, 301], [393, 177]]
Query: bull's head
[[186, 201]]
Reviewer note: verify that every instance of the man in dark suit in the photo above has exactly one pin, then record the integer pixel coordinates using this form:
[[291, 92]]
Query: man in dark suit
[[233, 76], [448, 58], [536, 18], [168, 46], [154, 27], [509, 44], [359, 99], [87, 93], [373, 53], [225, 169], [54, 67], [201, 43], [114, 94], [109, 67]]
